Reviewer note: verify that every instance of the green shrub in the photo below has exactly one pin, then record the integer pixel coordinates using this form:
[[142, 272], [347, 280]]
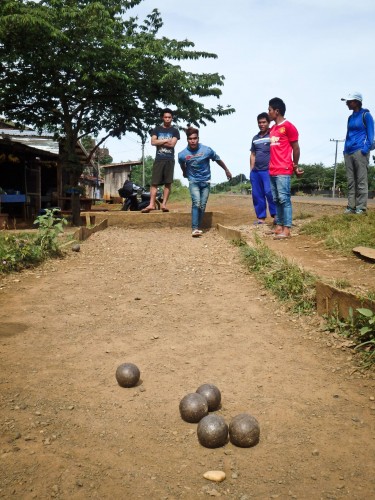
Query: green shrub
[[21, 251]]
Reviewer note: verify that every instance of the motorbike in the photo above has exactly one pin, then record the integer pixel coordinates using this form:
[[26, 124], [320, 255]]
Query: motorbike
[[137, 198]]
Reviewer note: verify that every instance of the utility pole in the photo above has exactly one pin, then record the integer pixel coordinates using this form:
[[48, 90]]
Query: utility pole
[[334, 171]]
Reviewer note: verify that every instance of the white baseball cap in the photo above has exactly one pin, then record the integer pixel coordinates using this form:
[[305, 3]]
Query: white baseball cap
[[353, 96]]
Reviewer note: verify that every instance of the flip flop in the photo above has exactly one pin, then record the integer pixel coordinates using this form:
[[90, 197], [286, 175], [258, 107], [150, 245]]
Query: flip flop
[[258, 223], [281, 237], [147, 210], [165, 209]]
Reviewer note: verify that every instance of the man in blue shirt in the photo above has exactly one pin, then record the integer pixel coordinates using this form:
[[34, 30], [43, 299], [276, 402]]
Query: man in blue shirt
[[195, 164], [259, 171], [358, 143]]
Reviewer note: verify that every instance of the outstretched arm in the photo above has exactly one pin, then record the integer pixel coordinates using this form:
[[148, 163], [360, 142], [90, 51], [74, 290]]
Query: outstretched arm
[[226, 170]]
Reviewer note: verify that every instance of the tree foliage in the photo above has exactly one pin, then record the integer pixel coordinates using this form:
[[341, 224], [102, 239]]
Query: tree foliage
[[137, 172], [237, 180], [78, 67]]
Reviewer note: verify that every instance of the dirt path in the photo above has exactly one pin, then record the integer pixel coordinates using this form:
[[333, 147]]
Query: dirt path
[[186, 312]]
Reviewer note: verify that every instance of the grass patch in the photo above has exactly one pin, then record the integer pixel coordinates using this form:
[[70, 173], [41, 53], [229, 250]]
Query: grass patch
[[343, 232], [288, 281], [303, 215], [359, 327], [179, 193], [341, 283], [25, 250]]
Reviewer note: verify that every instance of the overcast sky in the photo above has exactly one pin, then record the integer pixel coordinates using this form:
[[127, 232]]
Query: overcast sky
[[308, 52]]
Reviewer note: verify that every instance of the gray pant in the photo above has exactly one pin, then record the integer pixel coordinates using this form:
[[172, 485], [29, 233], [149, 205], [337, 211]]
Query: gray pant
[[357, 174]]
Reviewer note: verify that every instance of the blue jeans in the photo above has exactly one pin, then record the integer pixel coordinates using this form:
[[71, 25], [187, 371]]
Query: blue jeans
[[280, 185], [261, 191], [199, 192]]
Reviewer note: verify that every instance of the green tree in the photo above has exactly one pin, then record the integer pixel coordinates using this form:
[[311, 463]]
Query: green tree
[[137, 172], [78, 67], [237, 179]]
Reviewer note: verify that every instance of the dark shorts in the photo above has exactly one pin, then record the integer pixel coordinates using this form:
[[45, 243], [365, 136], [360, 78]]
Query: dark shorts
[[162, 172]]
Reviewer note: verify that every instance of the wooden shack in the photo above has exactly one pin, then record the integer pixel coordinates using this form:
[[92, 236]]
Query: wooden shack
[[31, 177], [115, 174]]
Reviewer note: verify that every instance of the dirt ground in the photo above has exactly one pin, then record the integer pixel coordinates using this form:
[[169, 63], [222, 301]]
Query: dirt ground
[[187, 312]]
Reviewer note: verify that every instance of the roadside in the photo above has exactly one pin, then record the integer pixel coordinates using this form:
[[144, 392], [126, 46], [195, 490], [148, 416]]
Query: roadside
[[186, 312]]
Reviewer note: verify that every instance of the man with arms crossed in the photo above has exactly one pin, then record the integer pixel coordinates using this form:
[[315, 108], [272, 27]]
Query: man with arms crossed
[[259, 175], [284, 157], [164, 137]]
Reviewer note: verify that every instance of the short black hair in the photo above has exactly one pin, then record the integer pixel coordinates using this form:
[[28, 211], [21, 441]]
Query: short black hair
[[279, 104], [167, 110], [263, 115]]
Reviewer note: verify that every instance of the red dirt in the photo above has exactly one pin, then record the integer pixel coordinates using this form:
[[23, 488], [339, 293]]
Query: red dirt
[[186, 312]]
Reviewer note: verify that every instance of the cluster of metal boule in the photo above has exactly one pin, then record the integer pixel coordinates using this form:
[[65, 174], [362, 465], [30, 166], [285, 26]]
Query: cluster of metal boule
[[212, 429]]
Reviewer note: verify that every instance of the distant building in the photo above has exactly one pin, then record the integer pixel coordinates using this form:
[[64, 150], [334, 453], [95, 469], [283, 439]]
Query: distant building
[[31, 177], [115, 174]]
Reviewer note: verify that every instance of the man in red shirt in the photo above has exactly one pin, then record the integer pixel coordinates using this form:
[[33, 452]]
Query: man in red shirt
[[284, 157]]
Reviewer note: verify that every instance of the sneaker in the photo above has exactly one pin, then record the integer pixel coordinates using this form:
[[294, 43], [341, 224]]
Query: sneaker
[[360, 211], [349, 211], [196, 233]]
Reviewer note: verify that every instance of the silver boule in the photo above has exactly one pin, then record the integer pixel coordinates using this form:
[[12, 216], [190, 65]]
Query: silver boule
[[193, 407], [212, 394], [244, 430], [127, 375], [212, 431]]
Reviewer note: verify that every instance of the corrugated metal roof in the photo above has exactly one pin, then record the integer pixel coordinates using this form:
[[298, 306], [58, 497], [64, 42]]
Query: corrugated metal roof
[[24, 133], [41, 143], [122, 164]]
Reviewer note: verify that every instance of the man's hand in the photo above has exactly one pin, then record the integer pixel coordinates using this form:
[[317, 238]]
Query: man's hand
[[228, 174], [298, 171]]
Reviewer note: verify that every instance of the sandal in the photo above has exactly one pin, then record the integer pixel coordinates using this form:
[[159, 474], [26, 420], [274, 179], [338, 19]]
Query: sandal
[[281, 236]]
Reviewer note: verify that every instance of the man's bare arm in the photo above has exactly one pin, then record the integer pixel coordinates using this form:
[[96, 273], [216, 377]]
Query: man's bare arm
[[226, 170], [252, 160]]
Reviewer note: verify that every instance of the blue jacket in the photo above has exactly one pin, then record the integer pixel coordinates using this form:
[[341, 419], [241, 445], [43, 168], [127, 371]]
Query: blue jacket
[[359, 136]]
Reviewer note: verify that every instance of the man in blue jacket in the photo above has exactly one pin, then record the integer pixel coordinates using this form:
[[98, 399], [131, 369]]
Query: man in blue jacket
[[195, 165], [358, 143]]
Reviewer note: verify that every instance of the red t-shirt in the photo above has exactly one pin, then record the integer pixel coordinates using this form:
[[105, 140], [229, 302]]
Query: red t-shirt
[[281, 136]]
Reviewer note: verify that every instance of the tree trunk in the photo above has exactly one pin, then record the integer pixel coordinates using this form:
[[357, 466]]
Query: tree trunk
[[72, 165], [76, 209]]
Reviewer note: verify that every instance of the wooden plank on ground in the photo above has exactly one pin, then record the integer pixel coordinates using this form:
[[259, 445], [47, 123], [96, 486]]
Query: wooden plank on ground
[[330, 300], [365, 252]]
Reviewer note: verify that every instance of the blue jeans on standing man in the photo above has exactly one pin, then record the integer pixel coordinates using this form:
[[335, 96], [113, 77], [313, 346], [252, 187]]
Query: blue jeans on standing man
[[199, 192], [280, 185]]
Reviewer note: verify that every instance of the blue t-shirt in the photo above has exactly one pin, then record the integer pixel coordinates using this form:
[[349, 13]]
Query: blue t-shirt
[[260, 145], [197, 162], [163, 152]]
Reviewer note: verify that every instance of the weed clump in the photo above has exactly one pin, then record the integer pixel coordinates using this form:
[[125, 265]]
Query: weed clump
[[288, 281], [343, 232], [19, 252]]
